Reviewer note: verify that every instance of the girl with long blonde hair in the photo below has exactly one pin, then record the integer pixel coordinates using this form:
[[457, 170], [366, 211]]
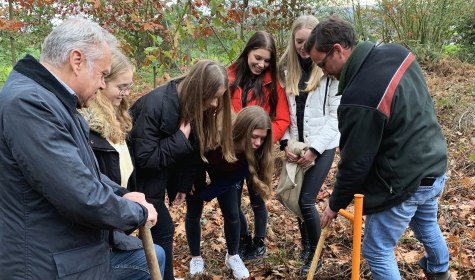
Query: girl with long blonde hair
[[109, 123], [313, 107]]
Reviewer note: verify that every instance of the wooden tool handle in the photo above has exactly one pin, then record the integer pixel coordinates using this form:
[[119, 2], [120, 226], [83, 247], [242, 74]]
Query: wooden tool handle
[[150, 253], [316, 256]]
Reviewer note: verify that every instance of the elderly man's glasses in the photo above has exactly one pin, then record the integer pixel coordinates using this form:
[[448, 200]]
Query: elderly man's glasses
[[124, 89], [322, 63]]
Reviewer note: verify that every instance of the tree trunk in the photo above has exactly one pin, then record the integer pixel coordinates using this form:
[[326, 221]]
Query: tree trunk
[[12, 39], [243, 17]]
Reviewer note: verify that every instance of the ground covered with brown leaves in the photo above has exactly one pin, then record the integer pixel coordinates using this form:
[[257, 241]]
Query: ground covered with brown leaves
[[452, 86]]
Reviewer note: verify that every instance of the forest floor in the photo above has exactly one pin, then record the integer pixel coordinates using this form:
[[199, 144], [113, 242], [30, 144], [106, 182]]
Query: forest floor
[[452, 86]]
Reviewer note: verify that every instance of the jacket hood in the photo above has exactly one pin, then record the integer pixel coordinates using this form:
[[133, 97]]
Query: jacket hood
[[97, 120]]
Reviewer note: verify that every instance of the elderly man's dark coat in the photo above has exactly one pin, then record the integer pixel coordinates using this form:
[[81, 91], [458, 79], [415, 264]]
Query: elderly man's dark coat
[[56, 208]]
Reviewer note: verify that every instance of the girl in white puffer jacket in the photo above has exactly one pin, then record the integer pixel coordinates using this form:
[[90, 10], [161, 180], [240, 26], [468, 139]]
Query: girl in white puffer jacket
[[313, 105]]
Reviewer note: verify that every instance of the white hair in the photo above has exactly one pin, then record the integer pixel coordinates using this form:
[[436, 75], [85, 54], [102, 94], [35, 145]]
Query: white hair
[[76, 33]]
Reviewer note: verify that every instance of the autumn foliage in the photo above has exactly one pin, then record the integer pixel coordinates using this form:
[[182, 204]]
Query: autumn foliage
[[164, 37]]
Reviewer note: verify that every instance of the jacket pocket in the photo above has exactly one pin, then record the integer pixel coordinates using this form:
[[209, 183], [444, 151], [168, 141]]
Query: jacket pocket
[[384, 183], [84, 262]]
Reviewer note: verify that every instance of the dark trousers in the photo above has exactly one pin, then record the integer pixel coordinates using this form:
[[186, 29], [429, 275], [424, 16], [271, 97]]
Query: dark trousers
[[228, 204], [260, 212], [162, 234], [311, 185]]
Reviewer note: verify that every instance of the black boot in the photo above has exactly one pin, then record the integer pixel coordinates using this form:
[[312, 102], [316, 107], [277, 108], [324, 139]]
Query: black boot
[[305, 250], [308, 262], [245, 244], [304, 241], [433, 275], [258, 249]]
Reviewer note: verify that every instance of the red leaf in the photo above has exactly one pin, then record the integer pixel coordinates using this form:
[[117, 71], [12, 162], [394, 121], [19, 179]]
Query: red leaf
[[148, 27]]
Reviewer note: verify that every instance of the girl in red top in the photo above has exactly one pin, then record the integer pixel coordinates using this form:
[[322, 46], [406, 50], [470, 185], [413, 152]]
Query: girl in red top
[[253, 81]]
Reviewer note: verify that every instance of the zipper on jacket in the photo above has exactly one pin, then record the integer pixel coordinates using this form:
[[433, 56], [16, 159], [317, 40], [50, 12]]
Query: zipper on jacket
[[109, 150], [325, 98]]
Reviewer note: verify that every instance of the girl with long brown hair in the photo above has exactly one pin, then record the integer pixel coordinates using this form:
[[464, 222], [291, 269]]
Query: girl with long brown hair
[[252, 139], [174, 125], [253, 80]]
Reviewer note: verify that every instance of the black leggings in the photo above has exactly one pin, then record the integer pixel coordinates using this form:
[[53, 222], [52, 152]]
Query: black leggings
[[312, 182], [228, 204], [260, 212], [162, 234]]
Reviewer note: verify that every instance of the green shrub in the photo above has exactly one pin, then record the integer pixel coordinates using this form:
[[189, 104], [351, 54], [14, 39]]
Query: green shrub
[[425, 53], [4, 72], [466, 53], [451, 49]]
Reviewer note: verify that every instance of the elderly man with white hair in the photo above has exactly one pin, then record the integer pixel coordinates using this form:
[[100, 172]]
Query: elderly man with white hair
[[56, 208]]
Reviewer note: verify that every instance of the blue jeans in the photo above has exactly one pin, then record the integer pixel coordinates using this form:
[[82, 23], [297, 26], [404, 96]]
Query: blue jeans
[[384, 229], [132, 264]]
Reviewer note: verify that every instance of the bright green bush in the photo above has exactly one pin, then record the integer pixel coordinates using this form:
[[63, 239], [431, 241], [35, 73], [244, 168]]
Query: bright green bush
[[4, 71], [452, 49]]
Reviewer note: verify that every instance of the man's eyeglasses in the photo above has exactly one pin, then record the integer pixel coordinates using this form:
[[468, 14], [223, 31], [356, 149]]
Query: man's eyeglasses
[[322, 63], [122, 90]]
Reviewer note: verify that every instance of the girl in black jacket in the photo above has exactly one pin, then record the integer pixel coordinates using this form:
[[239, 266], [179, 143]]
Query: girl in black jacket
[[173, 127]]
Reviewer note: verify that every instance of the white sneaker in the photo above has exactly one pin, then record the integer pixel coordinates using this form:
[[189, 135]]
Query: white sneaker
[[197, 265], [237, 266]]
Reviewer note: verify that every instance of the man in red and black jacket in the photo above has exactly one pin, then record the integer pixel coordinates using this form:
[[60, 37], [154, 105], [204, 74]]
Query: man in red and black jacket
[[392, 147]]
